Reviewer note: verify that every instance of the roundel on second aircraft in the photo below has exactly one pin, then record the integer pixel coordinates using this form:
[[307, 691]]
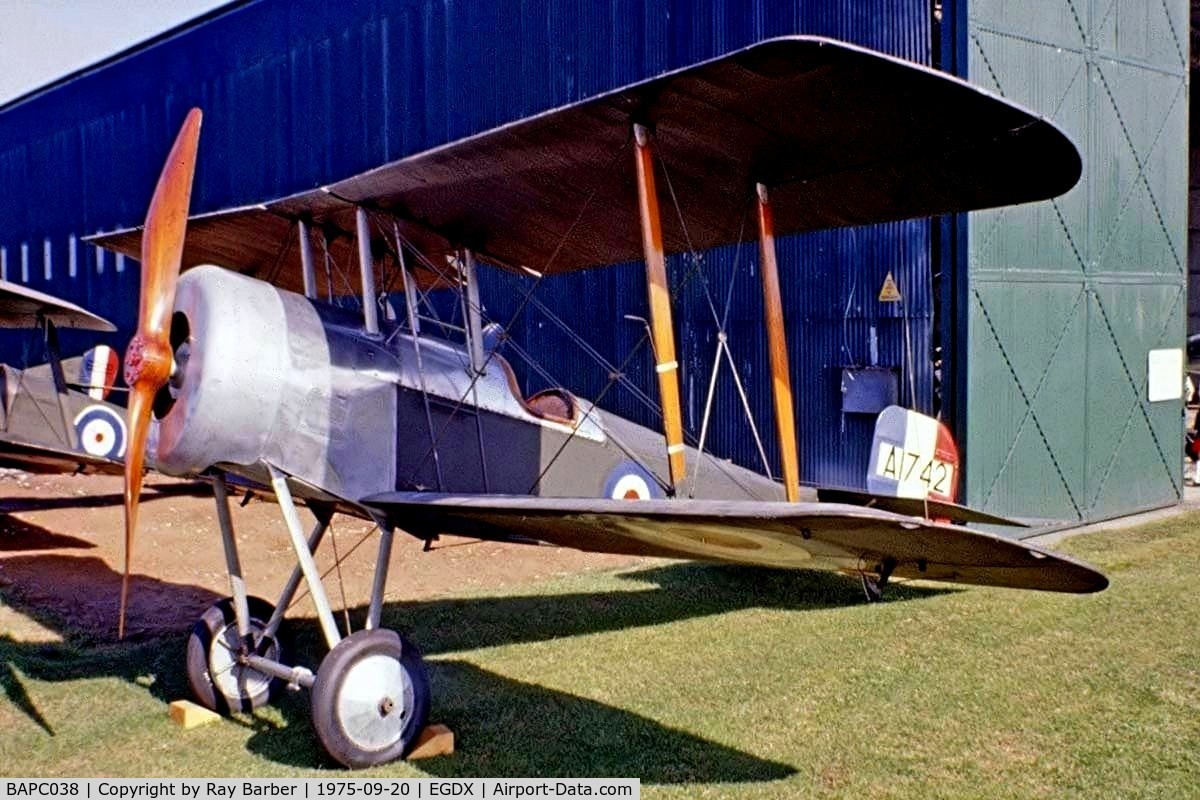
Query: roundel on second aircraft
[[100, 431]]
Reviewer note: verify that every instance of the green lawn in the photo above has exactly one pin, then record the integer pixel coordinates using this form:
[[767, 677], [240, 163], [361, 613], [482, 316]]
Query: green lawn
[[715, 682]]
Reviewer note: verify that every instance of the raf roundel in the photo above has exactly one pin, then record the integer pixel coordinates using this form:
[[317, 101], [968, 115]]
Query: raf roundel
[[630, 481], [101, 432]]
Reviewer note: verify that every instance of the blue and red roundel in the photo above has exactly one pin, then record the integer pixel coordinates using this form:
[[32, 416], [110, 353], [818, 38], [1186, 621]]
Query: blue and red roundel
[[630, 481], [100, 432]]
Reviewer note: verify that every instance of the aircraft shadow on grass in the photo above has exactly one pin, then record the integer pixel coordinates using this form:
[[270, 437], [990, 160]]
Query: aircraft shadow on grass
[[504, 727], [510, 728]]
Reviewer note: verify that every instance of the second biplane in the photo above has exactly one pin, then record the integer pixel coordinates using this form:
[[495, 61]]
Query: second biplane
[[54, 416], [254, 370]]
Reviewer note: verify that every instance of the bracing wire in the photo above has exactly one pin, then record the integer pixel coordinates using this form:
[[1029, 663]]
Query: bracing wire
[[337, 563], [528, 298], [302, 592], [721, 322]]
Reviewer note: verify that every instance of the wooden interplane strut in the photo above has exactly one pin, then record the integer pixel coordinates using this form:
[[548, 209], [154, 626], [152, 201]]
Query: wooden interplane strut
[[661, 325], [781, 385]]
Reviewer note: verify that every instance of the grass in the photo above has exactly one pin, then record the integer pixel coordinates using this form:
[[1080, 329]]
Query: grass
[[711, 682]]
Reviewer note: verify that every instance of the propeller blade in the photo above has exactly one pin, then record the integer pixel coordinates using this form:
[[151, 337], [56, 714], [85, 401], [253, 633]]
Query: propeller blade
[[166, 223], [148, 361], [141, 401]]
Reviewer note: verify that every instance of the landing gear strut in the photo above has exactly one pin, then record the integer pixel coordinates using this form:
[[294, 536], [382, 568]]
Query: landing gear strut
[[873, 586]]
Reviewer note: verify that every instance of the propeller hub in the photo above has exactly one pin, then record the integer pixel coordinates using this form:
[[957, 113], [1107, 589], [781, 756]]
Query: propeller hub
[[147, 362]]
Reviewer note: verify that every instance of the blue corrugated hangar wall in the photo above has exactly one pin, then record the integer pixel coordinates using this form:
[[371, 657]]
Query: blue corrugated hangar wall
[[297, 94]]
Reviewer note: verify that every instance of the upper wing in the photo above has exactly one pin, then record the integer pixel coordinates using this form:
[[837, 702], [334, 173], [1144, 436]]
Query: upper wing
[[843, 135], [22, 307], [807, 535]]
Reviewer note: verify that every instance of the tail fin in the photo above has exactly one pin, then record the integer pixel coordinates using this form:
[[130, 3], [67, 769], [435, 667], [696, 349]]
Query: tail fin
[[912, 455], [98, 371]]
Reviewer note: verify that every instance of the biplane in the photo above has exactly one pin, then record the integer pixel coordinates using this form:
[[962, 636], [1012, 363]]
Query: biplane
[[54, 416], [255, 366]]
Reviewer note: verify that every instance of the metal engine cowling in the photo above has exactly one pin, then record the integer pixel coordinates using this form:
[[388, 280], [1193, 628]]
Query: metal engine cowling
[[260, 377]]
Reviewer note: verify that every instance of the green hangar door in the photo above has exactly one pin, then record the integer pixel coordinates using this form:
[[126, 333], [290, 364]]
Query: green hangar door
[[1076, 308]]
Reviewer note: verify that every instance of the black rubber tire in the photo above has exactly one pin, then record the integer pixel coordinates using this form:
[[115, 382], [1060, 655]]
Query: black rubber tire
[[212, 624], [332, 676]]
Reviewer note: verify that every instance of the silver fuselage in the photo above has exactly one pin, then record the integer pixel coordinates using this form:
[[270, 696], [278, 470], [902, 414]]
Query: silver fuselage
[[268, 376]]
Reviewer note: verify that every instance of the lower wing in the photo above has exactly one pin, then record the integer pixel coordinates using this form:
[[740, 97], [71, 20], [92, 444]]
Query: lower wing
[[850, 539], [16, 454]]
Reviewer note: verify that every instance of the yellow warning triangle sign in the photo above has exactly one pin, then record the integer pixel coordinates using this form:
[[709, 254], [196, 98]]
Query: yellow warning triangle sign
[[890, 293]]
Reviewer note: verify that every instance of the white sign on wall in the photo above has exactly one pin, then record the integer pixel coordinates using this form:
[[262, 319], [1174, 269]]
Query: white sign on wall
[[1164, 374]]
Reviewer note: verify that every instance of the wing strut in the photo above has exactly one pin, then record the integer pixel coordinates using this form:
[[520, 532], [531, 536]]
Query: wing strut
[[781, 382], [472, 310], [307, 266], [54, 356], [367, 264], [660, 305]]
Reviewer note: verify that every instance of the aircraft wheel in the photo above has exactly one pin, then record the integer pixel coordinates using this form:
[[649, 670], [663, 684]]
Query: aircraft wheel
[[218, 682], [370, 700]]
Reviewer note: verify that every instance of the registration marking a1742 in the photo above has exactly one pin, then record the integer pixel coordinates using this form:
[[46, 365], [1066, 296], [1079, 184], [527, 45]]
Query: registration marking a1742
[[915, 469]]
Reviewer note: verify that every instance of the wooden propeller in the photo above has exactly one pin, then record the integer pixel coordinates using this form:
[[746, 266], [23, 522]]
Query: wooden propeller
[[148, 361]]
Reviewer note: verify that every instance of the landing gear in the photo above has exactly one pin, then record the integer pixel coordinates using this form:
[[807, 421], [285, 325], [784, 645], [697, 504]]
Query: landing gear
[[873, 586], [370, 699], [219, 679], [370, 696]]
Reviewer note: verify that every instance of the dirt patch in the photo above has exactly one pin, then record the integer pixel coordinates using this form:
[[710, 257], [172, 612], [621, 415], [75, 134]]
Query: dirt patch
[[62, 551]]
